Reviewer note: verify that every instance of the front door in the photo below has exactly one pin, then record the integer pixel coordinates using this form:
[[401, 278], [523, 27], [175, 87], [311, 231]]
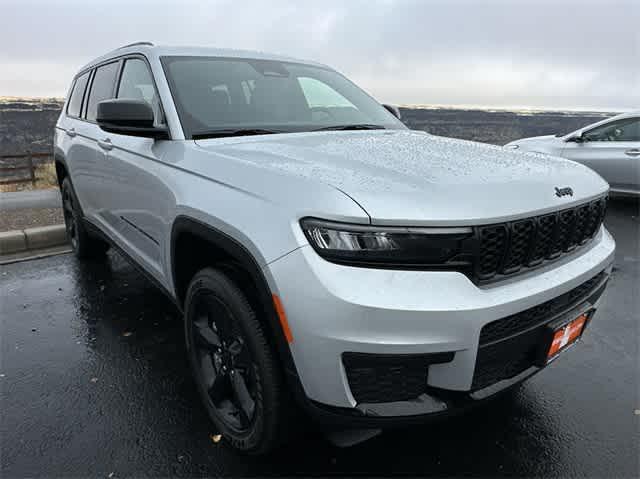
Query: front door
[[136, 209], [613, 151]]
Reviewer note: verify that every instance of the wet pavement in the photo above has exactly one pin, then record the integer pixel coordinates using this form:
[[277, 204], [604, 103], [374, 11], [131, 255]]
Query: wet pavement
[[94, 381], [15, 200]]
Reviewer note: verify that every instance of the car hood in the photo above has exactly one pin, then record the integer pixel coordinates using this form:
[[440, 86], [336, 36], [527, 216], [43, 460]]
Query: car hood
[[547, 139], [412, 178], [537, 138]]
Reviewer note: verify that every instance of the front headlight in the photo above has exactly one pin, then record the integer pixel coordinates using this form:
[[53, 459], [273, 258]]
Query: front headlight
[[423, 248]]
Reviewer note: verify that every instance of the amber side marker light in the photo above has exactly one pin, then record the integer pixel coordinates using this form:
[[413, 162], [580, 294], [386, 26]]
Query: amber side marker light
[[283, 318]]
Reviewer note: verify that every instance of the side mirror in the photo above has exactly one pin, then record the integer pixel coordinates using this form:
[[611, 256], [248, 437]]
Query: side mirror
[[129, 117], [394, 110], [579, 138]]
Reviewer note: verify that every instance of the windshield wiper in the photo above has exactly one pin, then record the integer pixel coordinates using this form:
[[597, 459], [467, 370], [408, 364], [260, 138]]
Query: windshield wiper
[[222, 132], [357, 126]]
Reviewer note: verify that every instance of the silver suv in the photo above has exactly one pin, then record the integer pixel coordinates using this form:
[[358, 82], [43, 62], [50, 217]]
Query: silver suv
[[326, 258]]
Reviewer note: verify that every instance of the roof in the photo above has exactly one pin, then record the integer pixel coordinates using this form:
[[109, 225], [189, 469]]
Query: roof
[[151, 50], [628, 114]]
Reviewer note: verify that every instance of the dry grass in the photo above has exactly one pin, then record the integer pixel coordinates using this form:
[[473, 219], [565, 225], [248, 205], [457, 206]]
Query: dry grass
[[45, 178]]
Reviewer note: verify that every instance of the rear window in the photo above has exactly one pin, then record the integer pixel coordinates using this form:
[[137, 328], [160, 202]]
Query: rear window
[[75, 101], [101, 87]]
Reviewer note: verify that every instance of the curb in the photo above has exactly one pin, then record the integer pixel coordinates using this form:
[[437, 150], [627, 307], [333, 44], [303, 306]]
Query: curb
[[32, 239]]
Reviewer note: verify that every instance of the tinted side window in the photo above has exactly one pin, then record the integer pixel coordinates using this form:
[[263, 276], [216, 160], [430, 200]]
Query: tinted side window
[[627, 129], [136, 83], [101, 87], [75, 101]]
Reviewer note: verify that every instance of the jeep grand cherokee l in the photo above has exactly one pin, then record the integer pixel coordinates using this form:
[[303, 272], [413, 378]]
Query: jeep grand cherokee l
[[326, 258]]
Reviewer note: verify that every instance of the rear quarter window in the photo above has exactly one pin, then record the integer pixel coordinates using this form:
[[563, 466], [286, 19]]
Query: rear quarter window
[[77, 94]]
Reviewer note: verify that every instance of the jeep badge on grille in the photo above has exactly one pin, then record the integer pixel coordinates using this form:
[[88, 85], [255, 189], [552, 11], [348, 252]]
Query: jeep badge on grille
[[560, 192]]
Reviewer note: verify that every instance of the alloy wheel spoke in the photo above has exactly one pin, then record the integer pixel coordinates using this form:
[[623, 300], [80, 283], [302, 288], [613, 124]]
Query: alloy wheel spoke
[[241, 398], [207, 369], [206, 337], [219, 388]]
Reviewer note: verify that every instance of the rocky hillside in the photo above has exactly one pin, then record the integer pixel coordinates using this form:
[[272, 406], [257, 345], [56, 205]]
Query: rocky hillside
[[27, 123], [496, 126]]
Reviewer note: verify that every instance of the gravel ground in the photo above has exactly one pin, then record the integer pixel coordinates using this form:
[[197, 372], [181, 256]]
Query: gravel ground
[[29, 217]]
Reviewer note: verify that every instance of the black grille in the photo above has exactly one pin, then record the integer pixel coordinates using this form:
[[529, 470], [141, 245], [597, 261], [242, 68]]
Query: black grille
[[493, 242], [507, 248], [510, 345], [387, 378], [521, 234], [545, 226]]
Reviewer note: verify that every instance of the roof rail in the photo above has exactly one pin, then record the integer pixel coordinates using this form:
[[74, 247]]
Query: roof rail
[[135, 44]]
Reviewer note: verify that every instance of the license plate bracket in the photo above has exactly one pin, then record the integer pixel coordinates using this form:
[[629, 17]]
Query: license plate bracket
[[562, 334]]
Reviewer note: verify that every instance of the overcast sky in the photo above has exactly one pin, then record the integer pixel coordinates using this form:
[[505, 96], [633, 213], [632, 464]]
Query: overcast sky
[[526, 53]]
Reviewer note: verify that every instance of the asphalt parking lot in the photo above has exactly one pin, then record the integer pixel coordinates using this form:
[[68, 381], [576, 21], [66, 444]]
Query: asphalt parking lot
[[94, 382]]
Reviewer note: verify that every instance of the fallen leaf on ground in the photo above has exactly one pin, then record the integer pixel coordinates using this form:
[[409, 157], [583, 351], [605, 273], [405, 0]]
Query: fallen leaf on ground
[[94, 380], [216, 438], [127, 334]]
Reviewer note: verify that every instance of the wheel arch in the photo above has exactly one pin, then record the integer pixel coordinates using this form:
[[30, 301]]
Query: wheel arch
[[62, 171], [186, 229], [191, 237]]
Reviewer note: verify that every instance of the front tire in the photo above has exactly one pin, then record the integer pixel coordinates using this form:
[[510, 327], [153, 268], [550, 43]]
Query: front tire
[[236, 372], [82, 243]]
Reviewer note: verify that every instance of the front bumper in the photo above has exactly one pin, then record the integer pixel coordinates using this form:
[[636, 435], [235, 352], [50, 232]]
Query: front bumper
[[334, 309]]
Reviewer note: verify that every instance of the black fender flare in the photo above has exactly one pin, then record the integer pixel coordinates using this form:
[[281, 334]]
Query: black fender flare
[[234, 249], [58, 158]]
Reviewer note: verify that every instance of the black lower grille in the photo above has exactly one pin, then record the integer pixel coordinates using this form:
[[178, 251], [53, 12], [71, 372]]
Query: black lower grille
[[507, 248], [377, 378], [510, 345], [520, 322]]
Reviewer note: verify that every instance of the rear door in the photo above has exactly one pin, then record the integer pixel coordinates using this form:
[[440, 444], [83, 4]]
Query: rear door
[[74, 143], [612, 150], [136, 208], [91, 170]]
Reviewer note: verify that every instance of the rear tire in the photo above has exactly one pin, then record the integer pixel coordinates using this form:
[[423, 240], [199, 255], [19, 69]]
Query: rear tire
[[235, 368], [82, 243]]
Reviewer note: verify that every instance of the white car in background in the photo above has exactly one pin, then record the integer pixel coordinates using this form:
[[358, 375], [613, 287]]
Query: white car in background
[[610, 147]]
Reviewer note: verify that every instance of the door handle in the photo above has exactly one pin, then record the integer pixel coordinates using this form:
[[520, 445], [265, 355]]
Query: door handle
[[71, 132], [633, 152], [105, 144]]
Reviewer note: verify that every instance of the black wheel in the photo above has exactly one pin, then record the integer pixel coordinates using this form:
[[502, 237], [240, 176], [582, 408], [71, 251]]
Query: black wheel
[[82, 244], [234, 367]]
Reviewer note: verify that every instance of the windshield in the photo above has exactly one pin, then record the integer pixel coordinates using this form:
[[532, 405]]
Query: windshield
[[230, 96]]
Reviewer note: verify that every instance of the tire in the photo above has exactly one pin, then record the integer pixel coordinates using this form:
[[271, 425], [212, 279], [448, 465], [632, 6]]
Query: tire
[[82, 243], [235, 369]]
